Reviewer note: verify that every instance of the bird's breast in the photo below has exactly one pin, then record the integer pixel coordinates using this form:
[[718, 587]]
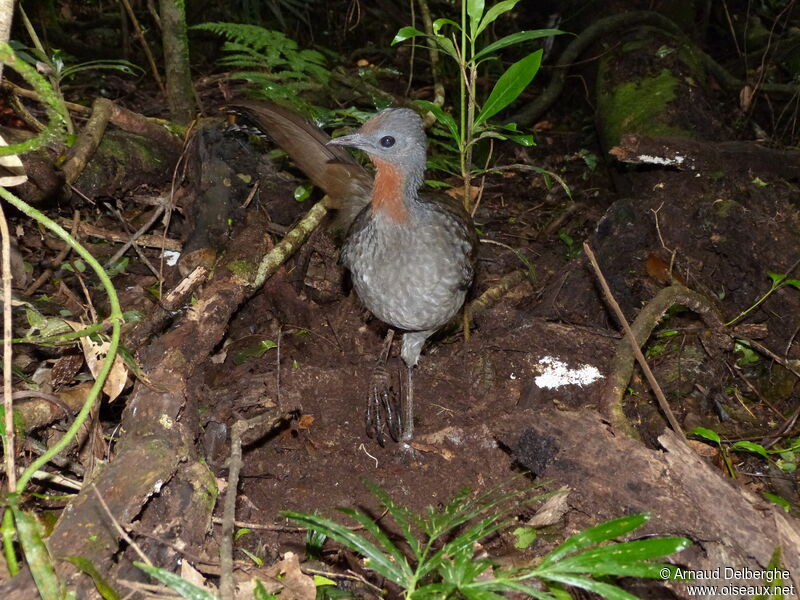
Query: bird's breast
[[411, 275]]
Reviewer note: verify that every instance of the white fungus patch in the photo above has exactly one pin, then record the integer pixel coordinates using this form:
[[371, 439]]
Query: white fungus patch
[[171, 257], [660, 160], [556, 373]]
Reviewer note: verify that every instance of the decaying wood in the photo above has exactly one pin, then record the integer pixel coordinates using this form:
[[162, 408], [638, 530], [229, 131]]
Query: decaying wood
[[156, 476], [646, 321], [104, 112], [150, 241], [612, 476], [635, 347], [697, 155]]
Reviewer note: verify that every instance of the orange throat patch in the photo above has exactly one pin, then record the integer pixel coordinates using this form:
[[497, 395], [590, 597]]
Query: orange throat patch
[[388, 191]]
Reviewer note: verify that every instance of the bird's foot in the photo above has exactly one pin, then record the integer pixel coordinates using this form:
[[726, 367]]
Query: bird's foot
[[407, 453], [382, 407]]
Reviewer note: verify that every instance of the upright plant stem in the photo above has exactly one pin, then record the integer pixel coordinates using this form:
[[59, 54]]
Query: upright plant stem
[[116, 321], [463, 96], [9, 447]]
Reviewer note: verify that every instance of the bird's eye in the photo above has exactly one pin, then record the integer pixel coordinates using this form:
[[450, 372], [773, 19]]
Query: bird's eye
[[387, 141]]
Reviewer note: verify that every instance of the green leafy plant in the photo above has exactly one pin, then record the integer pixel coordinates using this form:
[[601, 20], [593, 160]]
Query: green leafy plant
[[785, 458], [55, 63], [15, 520], [271, 60], [573, 248], [440, 561], [464, 43], [778, 281]]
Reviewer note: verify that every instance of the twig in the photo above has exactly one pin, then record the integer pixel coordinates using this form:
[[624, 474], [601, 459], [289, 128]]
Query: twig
[[433, 51], [506, 283], [26, 93], [122, 533], [9, 447], [40, 281], [662, 401], [131, 242], [150, 241], [137, 30], [140, 232], [226, 582], [290, 243], [278, 368], [754, 389]]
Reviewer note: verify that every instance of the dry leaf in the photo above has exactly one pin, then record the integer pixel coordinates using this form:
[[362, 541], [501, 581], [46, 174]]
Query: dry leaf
[[12, 171], [95, 353], [193, 576]]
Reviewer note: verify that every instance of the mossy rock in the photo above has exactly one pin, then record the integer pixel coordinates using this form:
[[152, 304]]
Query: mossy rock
[[123, 162]]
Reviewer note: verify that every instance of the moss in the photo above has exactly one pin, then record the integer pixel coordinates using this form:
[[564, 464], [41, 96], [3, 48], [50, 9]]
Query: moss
[[242, 269], [640, 107], [687, 54], [723, 208], [121, 162], [205, 486]]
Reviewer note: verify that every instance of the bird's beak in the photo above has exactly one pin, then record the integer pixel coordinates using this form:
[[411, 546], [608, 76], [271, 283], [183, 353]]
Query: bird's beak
[[355, 140]]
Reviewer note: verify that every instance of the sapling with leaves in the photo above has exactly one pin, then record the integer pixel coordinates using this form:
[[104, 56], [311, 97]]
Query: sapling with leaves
[[437, 556], [464, 43]]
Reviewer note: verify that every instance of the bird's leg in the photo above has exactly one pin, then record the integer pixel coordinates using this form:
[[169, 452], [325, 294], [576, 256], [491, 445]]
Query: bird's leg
[[408, 406], [379, 400]]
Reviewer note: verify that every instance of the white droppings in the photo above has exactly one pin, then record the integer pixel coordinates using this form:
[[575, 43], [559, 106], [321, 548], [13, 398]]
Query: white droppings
[[660, 160], [556, 373], [171, 257]]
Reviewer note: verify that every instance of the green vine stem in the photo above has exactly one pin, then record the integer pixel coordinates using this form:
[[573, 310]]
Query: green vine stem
[[61, 338], [116, 323], [57, 114]]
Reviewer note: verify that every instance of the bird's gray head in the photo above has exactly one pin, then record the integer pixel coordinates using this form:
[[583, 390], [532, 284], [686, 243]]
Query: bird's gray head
[[394, 136]]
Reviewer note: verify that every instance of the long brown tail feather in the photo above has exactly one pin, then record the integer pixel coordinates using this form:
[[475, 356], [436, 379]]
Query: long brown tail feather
[[331, 168]]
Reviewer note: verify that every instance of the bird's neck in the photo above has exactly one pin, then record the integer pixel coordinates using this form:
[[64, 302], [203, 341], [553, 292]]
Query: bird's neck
[[393, 191]]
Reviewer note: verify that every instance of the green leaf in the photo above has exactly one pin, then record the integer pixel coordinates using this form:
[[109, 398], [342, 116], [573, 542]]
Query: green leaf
[[623, 559], [103, 587], [525, 537], [446, 46], [494, 12], [320, 581], [439, 23], [795, 283], [256, 560], [611, 592], [475, 12], [510, 85], [515, 38], [523, 140], [780, 501], [707, 434], [176, 583], [406, 33], [442, 117], [302, 192], [386, 544], [595, 535], [250, 352], [378, 561], [261, 593], [401, 515], [516, 586], [36, 555], [750, 447], [777, 278]]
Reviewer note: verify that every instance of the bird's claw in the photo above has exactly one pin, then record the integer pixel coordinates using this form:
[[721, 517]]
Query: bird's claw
[[382, 407]]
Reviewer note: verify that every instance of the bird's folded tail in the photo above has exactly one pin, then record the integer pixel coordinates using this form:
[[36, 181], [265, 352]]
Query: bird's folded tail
[[331, 168]]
